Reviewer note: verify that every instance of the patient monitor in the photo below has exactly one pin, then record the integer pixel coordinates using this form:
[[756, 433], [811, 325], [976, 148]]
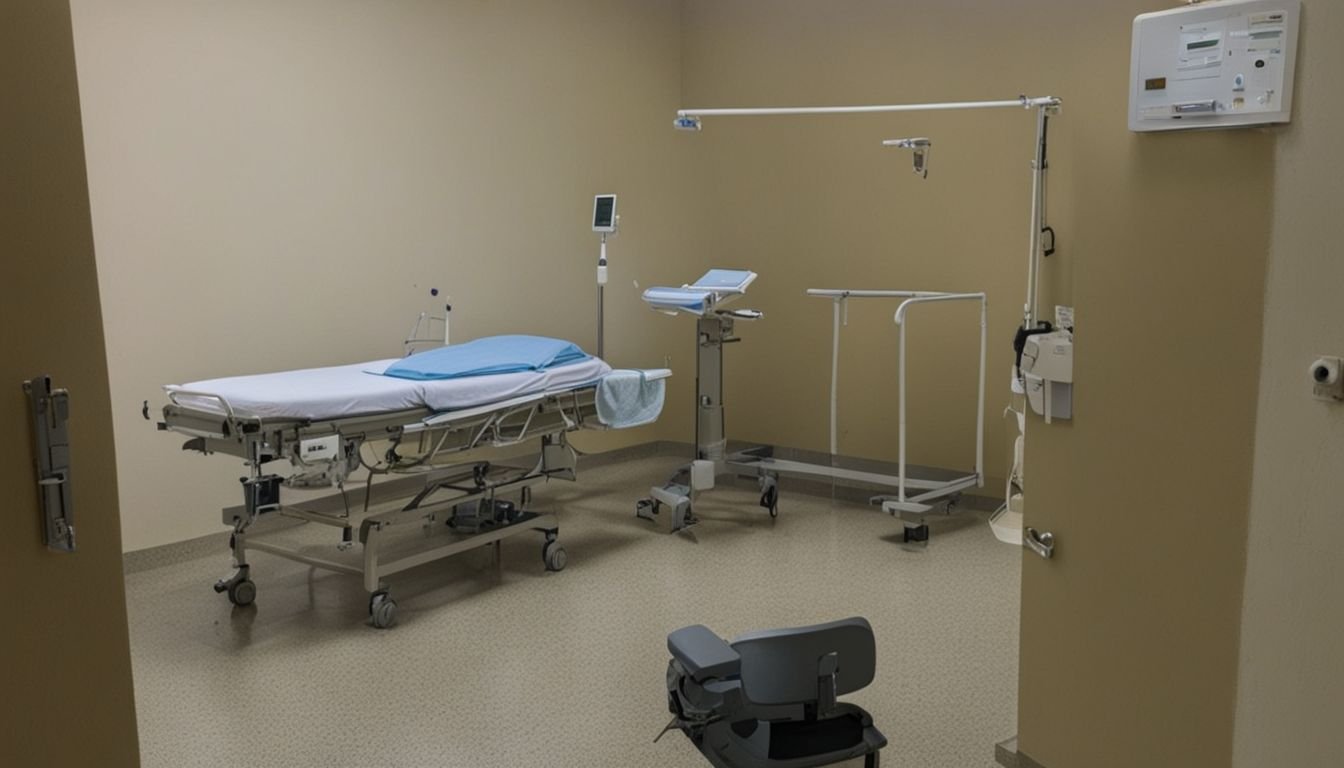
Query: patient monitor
[[604, 214]]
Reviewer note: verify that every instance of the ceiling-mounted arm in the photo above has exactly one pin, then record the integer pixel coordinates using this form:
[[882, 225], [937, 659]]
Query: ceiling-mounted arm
[[689, 119], [1045, 106]]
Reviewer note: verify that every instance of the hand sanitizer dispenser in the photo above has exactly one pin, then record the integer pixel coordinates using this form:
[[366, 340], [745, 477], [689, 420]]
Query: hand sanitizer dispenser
[[1047, 370]]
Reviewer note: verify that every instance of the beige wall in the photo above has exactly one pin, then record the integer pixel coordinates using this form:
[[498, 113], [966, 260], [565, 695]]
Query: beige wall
[[279, 185], [1292, 671]]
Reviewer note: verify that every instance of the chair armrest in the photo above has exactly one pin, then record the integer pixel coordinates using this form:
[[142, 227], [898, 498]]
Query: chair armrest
[[704, 654]]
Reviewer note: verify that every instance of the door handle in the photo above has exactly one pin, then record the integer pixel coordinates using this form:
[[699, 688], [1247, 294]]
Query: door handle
[[1042, 544]]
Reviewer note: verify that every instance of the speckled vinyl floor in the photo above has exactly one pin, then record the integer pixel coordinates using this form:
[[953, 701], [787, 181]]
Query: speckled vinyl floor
[[509, 665]]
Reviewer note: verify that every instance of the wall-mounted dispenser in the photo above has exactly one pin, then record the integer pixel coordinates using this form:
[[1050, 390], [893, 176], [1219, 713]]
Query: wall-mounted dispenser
[[1047, 374]]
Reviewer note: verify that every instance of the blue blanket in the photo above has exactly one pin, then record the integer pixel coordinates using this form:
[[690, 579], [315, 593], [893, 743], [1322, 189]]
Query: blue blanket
[[486, 356], [629, 399]]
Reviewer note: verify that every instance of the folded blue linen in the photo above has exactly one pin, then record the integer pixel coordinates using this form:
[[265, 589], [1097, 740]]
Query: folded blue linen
[[486, 356]]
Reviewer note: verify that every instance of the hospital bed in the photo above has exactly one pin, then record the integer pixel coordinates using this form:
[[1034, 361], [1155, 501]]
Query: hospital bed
[[412, 508], [912, 498]]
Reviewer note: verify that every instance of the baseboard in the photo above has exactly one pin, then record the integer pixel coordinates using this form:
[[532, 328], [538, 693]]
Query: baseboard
[[177, 552], [1007, 755], [635, 452]]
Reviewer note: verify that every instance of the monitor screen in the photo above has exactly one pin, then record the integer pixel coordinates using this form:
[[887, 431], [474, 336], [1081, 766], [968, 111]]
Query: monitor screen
[[604, 213]]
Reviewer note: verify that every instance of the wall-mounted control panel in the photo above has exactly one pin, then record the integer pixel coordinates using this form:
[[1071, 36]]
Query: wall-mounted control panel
[[1214, 65]]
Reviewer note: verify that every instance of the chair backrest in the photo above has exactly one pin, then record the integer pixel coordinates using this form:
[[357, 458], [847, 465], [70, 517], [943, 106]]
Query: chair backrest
[[781, 666]]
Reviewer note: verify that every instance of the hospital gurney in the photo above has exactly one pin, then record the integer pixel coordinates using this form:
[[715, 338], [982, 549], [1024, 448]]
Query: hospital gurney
[[324, 422]]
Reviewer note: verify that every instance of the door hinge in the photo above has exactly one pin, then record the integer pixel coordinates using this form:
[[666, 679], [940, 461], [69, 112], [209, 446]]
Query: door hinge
[[51, 412]]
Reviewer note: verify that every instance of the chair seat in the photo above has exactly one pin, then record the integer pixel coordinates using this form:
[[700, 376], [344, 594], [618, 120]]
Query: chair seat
[[792, 740]]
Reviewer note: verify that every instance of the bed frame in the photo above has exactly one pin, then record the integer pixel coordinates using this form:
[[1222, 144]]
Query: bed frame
[[452, 508]]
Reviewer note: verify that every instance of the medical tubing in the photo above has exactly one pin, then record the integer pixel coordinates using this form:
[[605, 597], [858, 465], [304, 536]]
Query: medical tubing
[[399, 466]]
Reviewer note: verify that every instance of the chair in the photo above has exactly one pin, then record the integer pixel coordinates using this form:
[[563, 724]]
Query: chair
[[768, 698]]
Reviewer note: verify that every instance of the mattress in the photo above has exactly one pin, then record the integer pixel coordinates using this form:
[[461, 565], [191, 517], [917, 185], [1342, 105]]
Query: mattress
[[349, 390]]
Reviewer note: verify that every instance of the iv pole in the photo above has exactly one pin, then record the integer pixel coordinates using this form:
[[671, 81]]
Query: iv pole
[[601, 296]]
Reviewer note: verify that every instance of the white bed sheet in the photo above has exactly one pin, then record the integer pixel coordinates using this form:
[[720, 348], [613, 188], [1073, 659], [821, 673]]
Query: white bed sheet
[[349, 390]]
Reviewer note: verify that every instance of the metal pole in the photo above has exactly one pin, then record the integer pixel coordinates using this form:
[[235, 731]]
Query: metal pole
[[1037, 180], [601, 298], [899, 318], [1020, 102], [835, 376], [980, 402], [900, 477]]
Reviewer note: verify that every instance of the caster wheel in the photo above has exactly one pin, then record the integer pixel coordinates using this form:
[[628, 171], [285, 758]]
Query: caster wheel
[[917, 534], [382, 610], [770, 500], [647, 509], [242, 592], [553, 555], [770, 495]]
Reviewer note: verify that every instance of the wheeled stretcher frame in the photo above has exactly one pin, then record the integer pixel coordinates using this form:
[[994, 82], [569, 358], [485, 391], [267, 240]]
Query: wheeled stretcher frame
[[467, 497], [914, 497]]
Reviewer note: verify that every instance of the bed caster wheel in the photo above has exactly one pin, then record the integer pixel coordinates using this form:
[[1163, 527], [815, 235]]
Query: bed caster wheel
[[382, 610], [916, 534], [770, 494], [242, 592], [647, 509], [770, 499], [553, 555], [683, 516]]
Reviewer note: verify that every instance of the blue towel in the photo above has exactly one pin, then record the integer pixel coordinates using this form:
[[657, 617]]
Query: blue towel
[[629, 399], [485, 356]]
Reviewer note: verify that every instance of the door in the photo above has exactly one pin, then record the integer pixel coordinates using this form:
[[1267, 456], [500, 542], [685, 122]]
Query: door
[[66, 674]]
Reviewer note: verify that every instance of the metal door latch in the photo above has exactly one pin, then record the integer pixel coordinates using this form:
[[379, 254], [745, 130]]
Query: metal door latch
[[1042, 544], [51, 410]]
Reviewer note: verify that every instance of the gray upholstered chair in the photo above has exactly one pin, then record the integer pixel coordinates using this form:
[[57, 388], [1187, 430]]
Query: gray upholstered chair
[[768, 699]]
